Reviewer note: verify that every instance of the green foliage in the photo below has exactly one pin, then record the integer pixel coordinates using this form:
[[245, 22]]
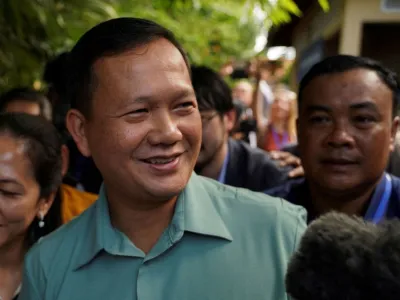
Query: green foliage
[[212, 31], [324, 5]]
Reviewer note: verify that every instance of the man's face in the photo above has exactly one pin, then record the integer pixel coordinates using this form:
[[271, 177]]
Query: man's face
[[346, 130], [214, 136], [144, 132], [243, 91], [280, 108]]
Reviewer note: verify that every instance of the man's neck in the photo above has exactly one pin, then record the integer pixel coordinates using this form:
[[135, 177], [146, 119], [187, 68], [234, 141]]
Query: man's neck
[[142, 222], [214, 167], [351, 203]]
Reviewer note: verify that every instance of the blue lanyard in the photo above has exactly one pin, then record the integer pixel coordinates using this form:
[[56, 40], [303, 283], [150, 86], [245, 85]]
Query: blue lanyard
[[380, 211], [222, 174]]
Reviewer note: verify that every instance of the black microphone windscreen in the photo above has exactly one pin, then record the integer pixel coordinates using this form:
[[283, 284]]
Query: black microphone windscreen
[[343, 257]]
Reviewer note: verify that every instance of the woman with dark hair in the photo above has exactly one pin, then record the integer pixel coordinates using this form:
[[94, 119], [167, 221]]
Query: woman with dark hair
[[30, 175], [73, 201]]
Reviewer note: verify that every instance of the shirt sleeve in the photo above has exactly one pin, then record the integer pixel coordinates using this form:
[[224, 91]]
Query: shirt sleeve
[[33, 279]]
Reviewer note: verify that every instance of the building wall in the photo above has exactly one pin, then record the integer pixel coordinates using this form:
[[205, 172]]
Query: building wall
[[314, 27], [342, 27], [316, 24], [356, 13]]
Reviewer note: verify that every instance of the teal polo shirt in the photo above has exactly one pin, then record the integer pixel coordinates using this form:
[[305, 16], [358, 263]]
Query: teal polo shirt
[[223, 243]]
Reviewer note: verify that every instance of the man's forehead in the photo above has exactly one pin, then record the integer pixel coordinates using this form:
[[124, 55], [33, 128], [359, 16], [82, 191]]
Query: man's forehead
[[353, 78], [152, 57], [349, 86]]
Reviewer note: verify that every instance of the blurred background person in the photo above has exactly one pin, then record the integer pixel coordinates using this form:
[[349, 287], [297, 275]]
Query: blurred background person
[[222, 158], [243, 91], [26, 100], [265, 83], [237, 70], [281, 129], [30, 175], [73, 199], [227, 68], [81, 168], [246, 126]]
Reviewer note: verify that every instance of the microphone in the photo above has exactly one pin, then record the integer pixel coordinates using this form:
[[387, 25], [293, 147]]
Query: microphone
[[342, 257]]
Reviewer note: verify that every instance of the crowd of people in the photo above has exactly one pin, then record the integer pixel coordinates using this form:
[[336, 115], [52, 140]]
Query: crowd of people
[[140, 176]]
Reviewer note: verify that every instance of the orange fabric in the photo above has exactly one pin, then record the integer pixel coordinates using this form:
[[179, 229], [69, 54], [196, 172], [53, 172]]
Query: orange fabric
[[74, 202]]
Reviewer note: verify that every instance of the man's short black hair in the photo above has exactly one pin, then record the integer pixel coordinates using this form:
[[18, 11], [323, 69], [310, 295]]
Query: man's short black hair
[[212, 92], [28, 95], [343, 63], [109, 38]]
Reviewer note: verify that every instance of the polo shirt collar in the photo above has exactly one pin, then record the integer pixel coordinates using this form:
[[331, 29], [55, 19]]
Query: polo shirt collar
[[201, 216], [102, 236], [195, 212]]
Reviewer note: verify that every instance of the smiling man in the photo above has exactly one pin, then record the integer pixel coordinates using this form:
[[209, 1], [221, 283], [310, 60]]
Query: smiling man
[[346, 129], [158, 231]]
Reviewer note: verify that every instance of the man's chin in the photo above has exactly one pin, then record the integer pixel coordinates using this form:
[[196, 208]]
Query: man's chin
[[167, 189], [165, 195], [339, 185]]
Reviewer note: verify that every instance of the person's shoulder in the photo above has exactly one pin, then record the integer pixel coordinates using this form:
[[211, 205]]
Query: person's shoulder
[[258, 157], [251, 204], [244, 146], [61, 244], [270, 206], [257, 219], [286, 189]]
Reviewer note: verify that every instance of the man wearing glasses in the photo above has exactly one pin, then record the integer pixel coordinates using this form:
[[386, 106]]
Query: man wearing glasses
[[224, 159]]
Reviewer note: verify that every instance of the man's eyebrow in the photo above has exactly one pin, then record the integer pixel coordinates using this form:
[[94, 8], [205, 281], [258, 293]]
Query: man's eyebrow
[[178, 95], [184, 94], [318, 107], [365, 104]]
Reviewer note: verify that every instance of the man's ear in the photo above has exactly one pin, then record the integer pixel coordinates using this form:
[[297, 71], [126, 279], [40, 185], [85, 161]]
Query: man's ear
[[76, 126], [230, 119], [394, 129]]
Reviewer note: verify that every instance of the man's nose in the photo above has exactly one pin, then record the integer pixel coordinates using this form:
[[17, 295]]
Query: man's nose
[[165, 130], [340, 136]]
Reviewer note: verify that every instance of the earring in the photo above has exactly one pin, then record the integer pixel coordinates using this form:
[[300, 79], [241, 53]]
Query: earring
[[41, 218]]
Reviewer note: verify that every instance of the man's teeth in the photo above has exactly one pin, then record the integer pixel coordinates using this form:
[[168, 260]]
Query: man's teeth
[[161, 160]]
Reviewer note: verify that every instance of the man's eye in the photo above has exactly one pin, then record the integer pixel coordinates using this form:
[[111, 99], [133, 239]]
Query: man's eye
[[186, 104], [138, 111], [364, 119], [319, 119]]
